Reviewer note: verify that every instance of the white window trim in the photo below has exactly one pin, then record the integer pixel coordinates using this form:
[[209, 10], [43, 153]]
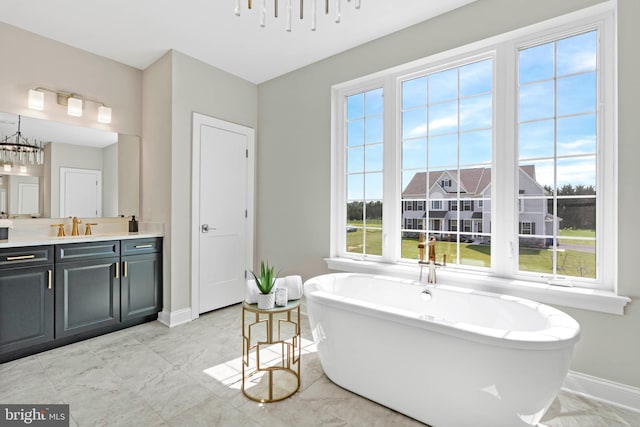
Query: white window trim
[[504, 212]]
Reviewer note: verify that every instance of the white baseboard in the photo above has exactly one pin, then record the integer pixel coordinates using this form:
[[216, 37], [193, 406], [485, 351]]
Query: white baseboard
[[616, 394], [175, 318]]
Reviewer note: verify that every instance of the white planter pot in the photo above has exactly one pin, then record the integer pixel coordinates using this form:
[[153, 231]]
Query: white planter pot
[[266, 301]]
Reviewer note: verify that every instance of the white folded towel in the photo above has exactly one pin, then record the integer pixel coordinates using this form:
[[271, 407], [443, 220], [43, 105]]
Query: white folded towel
[[294, 287], [292, 283]]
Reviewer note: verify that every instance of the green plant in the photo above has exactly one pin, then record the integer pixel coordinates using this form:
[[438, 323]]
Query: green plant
[[267, 278]]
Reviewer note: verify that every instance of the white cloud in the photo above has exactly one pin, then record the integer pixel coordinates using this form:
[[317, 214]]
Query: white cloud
[[574, 173], [420, 130], [443, 122], [583, 145]]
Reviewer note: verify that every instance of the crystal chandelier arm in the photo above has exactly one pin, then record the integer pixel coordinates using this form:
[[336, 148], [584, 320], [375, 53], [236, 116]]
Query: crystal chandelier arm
[[20, 149]]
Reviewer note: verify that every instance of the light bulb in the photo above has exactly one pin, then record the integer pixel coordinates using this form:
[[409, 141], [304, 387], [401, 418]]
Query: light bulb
[[74, 107], [104, 114], [35, 100]]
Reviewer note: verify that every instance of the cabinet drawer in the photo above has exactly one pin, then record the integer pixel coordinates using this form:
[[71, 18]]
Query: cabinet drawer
[[90, 250], [26, 256], [141, 246]]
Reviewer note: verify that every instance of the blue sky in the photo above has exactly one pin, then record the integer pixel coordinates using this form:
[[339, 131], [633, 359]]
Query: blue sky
[[454, 107]]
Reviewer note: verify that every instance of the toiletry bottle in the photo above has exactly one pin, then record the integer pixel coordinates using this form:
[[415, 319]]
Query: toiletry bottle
[[133, 225]]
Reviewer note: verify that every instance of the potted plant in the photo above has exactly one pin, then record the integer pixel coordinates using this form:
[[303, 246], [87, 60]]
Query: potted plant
[[266, 298]]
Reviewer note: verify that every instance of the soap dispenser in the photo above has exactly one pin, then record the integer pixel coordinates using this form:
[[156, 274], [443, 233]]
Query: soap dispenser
[[133, 224]]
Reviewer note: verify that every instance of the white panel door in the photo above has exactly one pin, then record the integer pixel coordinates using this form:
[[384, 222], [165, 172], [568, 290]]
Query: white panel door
[[80, 193], [28, 198], [223, 217]]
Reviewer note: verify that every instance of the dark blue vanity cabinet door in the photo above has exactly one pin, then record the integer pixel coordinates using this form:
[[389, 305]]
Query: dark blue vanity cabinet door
[[87, 287], [26, 298], [87, 296], [141, 285]]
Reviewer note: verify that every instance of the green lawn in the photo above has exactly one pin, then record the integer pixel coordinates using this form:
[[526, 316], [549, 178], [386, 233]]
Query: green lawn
[[571, 261], [568, 232], [373, 241]]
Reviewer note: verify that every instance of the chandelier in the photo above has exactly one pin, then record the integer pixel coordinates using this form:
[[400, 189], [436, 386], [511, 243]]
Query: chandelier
[[16, 149], [289, 10]]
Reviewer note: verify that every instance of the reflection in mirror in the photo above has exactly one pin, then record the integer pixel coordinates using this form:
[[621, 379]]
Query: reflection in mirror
[[86, 172]]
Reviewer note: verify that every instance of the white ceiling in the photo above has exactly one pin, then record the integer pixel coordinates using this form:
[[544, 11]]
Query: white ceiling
[[137, 32]]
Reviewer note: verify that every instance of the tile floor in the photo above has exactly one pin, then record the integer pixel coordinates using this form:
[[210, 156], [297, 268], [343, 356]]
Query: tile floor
[[150, 375]]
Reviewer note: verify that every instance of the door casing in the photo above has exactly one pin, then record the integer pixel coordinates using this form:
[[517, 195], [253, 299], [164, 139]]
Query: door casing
[[200, 120]]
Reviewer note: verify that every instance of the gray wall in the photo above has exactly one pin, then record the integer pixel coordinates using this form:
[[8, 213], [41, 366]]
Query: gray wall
[[128, 163], [156, 157], [294, 156], [177, 86], [38, 61]]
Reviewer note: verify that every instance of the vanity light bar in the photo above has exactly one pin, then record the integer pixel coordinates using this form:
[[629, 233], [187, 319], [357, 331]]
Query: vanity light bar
[[74, 103]]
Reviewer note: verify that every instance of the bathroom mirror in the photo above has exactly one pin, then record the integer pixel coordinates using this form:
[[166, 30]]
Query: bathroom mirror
[[86, 172]]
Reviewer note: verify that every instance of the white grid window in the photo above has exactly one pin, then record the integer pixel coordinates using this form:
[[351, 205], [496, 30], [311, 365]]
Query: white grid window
[[517, 132]]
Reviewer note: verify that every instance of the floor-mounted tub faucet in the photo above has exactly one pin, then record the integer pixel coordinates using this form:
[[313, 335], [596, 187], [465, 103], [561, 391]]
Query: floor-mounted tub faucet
[[431, 262]]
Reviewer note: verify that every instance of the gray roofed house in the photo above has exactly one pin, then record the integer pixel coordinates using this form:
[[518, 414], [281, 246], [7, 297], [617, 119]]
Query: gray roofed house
[[451, 202]]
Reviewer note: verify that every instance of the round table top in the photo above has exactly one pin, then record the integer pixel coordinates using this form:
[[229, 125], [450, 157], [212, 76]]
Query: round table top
[[277, 309]]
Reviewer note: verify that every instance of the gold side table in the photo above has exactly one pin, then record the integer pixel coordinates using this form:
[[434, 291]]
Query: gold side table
[[271, 347]]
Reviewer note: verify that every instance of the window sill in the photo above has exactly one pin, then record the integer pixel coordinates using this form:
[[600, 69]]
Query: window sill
[[574, 297]]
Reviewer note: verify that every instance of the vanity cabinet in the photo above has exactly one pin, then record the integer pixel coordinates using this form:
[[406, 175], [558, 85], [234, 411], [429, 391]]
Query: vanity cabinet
[[58, 294], [87, 287], [26, 297], [141, 278]]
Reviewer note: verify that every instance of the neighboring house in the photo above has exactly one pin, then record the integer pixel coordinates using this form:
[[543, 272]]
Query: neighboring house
[[471, 212]]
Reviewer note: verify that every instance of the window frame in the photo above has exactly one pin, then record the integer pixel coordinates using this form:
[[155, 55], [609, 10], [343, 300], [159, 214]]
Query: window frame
[[504, 192]]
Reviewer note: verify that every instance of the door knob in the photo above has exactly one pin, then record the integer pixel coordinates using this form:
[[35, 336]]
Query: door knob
[[205, 228]]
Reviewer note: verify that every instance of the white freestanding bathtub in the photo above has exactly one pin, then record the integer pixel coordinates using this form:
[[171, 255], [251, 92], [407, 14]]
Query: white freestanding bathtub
[[451, 358]]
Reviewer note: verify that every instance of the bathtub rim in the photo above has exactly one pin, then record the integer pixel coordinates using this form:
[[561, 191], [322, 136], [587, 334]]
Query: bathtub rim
[[556, 337]]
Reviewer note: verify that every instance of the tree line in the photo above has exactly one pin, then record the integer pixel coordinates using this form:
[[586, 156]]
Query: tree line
[[579, 213], [355, 211]]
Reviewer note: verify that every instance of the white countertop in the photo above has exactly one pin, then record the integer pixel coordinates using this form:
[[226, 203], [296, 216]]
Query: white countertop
[[47, 240], [37, 232]]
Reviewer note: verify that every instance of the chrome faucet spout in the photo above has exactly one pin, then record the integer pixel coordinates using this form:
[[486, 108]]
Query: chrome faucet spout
[[431, 277]]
